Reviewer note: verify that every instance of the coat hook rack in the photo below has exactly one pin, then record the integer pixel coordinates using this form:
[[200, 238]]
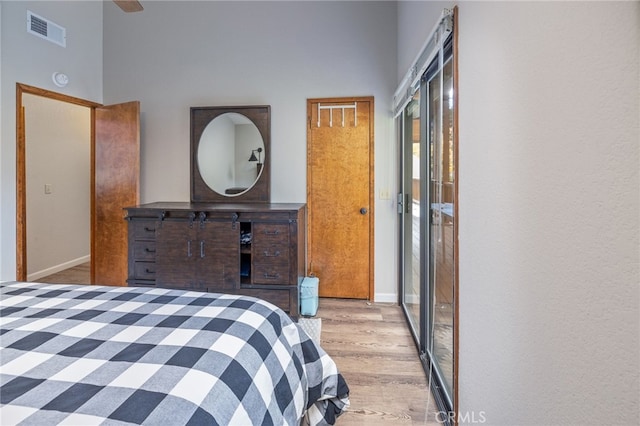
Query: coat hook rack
[[340, 107]]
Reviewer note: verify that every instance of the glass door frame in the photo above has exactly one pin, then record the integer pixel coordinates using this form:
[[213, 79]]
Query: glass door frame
[[405, 209], [423, 338], [435, 157]]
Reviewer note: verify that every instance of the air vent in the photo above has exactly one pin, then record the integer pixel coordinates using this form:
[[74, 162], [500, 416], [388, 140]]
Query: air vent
[[44, 28]]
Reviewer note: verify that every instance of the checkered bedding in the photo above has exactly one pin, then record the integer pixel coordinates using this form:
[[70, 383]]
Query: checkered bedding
[[123, 355]]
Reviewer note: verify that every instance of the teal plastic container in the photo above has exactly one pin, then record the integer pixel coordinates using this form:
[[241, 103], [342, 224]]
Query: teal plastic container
[[309, 296]]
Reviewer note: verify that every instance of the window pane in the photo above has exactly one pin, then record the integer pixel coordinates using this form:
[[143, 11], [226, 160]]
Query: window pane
[[411, 218], [441, 202]]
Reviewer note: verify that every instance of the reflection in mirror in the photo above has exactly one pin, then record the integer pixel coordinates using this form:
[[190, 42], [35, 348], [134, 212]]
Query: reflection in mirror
[[227, 154]]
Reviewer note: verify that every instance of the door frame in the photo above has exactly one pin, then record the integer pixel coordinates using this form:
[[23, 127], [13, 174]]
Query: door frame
[[21, 193], [370, 100]]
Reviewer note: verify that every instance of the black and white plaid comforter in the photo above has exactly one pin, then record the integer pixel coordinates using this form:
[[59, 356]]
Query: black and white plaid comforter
[[89, 355]]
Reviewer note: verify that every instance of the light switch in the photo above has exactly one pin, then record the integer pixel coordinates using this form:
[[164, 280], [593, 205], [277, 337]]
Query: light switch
[[48, 188]]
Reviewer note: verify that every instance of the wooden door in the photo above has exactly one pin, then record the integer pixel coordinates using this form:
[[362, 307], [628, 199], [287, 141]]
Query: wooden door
[[340, 196], [176, 253], [198, 255], [116, 185], [218, 256]]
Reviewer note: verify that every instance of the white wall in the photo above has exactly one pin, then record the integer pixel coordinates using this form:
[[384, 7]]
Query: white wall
[[247, 139], [415, 20], [58, 154], [31, 60], [175, 55], [213, 157], [549, 210]]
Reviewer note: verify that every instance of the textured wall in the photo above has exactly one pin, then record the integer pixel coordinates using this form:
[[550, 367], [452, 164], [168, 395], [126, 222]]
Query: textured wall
[[549, 208], [549, 229]]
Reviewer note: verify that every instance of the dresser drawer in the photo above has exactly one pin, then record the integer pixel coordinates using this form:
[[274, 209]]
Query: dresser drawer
[[273, 272], [144, 250], [270, 253], [143, 229], [266, 234], [275, 252], [144, 270]]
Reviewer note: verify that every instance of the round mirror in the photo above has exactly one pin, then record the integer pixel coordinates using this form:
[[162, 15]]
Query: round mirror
[[230, 154]]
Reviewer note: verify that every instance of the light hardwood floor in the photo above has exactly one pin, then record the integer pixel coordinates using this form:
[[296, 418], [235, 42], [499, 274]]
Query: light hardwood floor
[[80, 274], [374, 350]]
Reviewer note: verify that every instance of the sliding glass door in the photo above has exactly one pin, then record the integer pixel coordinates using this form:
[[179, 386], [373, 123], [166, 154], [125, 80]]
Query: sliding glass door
[[427, 217], [441, 225], [413, 258]]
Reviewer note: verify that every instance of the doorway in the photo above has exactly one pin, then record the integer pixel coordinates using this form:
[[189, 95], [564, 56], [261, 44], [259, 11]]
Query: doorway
[[428, 219], [340, 200], [113, 181], [58, 186]]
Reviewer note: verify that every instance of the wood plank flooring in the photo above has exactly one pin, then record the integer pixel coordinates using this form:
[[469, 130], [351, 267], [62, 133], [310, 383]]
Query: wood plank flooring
[[80, 274], [374, 350]]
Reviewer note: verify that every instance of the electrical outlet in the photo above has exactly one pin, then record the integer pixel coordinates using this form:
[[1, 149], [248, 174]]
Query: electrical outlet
[[48, 188], [385, 194]]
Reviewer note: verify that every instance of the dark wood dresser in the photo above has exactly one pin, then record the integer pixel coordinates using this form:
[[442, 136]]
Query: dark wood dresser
[[255, 249]]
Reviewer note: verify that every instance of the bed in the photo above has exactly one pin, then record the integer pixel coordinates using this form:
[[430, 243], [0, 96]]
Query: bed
[[73, 354]]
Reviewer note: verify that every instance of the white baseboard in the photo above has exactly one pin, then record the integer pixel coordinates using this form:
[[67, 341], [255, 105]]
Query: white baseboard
[[385, 298], [57, 268]]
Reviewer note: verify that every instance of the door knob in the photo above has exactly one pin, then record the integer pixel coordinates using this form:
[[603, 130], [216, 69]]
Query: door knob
[[363, 210]]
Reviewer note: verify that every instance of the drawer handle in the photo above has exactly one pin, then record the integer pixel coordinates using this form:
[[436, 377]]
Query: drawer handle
[[272, 276], [146, 228], [149, 271], [274, 254], [148, 250], [276, 232]]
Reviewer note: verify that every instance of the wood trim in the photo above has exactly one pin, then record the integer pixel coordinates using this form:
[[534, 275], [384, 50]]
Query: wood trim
[[24, 88], [21, 196], [21, 199], [372, 199], [456, 218], [369, 99], [93, 206]]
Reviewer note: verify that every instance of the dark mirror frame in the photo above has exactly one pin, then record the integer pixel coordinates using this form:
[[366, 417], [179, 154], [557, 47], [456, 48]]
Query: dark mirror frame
[[260, 115]]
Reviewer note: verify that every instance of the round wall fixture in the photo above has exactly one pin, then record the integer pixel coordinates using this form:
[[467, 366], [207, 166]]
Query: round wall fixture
[[60, 79]]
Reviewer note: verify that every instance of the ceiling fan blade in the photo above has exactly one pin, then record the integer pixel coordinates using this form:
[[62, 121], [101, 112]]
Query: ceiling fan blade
[[129, 5]]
